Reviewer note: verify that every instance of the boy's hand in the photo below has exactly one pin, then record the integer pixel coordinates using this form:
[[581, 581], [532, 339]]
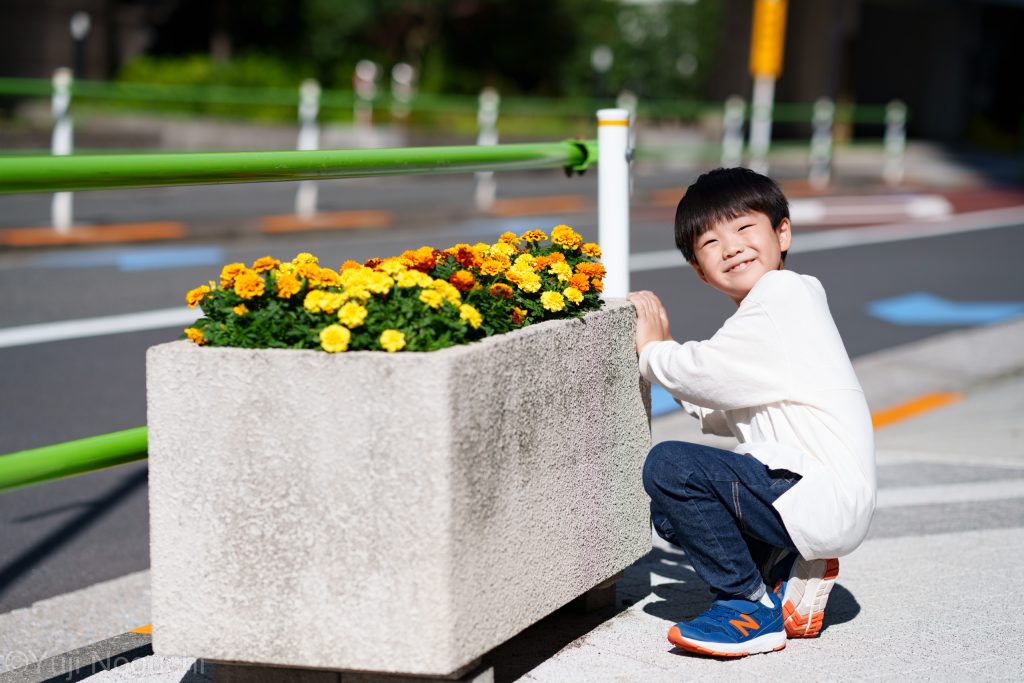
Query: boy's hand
[[651, 319]]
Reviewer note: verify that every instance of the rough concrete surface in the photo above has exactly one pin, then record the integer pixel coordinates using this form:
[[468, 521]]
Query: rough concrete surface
[[390, 512]]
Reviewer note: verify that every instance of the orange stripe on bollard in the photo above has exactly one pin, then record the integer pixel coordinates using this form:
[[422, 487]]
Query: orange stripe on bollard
[[93, 234], [148, 628], [330, 220], [614, 122], [912, 408]]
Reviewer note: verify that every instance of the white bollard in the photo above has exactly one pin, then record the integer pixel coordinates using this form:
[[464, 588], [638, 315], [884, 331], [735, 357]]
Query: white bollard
[[732, 131], [895, 142], [613, 198], [61, 209], [487, 121], [820, 173], [364, 83], [761, 123], [309, 140], [402, 78]]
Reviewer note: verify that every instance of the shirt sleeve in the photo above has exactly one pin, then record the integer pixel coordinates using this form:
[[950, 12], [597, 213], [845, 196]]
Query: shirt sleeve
[[743, 365], [711, 421]]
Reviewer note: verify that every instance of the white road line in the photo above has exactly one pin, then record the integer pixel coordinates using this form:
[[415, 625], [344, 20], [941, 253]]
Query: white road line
[[96, 327], [857, 237], [951, 493]]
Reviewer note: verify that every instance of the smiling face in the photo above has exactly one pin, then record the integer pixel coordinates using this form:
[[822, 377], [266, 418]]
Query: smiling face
[[734, 254]]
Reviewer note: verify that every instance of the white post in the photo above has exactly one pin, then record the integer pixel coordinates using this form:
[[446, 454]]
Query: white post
[[761, 123], [487, 120], [61, 145], [895, 142], [402, 77], [613, 198], [364, 82], [732, 131], [820, 173], [309, 139]]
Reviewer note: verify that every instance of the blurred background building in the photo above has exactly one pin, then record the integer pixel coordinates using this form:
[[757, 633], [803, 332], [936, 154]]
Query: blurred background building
[[954, 62]]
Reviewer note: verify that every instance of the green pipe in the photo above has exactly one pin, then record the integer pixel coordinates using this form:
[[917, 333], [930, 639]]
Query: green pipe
[[39, 465], [117, 171]]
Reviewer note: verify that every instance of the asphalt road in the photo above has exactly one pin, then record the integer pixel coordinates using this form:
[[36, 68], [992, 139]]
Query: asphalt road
[[69, 534]]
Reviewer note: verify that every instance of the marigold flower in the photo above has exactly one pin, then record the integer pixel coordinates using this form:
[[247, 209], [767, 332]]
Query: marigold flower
[[432, 298], [335, 338], [352, 314], [262, 265], [591, 249], [492, 266], [423, 259], [249, 284], [392, 340], [380, 283], [463, 280], [597, 284], [196, 295], [229, 272], [286, 267], [305, 257], [195, 335], [525, 262], [552, 301], [240, 309], [561, 269], [533, 236], [392, 266], [509, 238], [518, 315], [373, 263], [527, 281], [448, 291], [310, 271], [504, 248], [566, 237], [500, 289], [470, 315], [328, 278], [464, 255], [580, 282], [349, 265], [590, 269], [574, 295], [287, 285]]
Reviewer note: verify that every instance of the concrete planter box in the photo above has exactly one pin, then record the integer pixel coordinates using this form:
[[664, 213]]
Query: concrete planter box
[[400, 513]]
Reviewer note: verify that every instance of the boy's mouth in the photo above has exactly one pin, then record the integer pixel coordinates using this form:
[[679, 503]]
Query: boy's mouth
[[740, 267]]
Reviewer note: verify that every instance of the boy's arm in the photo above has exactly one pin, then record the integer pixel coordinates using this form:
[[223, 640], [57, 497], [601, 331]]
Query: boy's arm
[[711, 421], [742, 365]]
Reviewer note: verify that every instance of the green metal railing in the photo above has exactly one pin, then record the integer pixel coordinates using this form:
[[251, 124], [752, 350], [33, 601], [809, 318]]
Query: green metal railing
[[118, 171], [39, 465]]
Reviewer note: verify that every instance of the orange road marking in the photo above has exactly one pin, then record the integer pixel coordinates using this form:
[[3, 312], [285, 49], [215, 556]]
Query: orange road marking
[[92, 234], [330, 220], [912, 408], [667, 197], [525, 206], [148, 628]]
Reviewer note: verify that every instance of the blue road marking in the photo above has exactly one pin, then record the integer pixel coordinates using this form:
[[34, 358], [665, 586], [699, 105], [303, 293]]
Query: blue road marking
[[662, 401], [921, 308], [133, 260]]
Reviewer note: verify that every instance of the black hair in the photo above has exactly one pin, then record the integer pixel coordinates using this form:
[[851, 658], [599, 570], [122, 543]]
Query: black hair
[[721, 195]]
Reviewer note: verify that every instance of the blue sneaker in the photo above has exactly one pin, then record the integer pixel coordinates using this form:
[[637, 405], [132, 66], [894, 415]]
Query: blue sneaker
[[733, 628]]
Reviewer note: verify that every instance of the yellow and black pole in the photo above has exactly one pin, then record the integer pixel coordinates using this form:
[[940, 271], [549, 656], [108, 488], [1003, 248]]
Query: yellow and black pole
[[766, 41]]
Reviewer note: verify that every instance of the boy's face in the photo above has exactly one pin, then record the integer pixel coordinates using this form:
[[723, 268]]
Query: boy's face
[[734, 254]]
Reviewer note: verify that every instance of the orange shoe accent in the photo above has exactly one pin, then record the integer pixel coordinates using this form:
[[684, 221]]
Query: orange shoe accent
[[831, 569], [148, 628], [743, 624], [905, 411], [676, 638]]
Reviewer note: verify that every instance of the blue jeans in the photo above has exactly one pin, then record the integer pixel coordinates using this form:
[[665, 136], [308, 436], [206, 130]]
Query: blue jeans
[[717, 506]]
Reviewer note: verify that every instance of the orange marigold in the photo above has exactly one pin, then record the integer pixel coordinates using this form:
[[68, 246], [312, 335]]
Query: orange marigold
[[249, 284], [518, 315], [591, 249], [580, 282], [262, 265], [423, 259], [463, 280], [500, 289], [493, 266], [230, 272], [509, 238], [349, 265], [287, 285], [373, 263], [196, 295], [566, 237], [534, 236], [195, 335], [597, 284], [464, 255], [590, 269]]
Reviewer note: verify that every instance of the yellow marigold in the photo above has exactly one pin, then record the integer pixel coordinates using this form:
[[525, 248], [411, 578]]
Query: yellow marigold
[[309, 270], [287, 285], [501, 290], [566, 237], [229, 272], [591, 249], [305, 257], [358, 293], [590, 269], [524, 262], [492, 266], [352, 314], [328, 278], [470, 315], [392, 340], [380, 283], [503, 249], [533, 236], [335, 338], [287, 268], [580, 282], [196, 295], [392, 266], [562, 270], [574, 295], [553, 301], [349, 265], [448, 291], [195, 335], [509, 238], [408, 278], [518, 315], [463, 280], [312, 301], [262, 265], [528, 281], [240, 309], [432, 298], [249, 284]]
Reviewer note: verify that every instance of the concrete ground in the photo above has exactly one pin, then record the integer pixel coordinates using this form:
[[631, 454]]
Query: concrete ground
[[932, 594]]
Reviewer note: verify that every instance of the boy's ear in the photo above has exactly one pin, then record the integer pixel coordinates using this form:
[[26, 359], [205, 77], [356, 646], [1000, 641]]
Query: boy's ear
[[785, 234], [700, 271]]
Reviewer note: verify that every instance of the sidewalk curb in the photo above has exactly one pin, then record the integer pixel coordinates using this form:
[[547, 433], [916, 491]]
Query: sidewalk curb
[[83, 662]]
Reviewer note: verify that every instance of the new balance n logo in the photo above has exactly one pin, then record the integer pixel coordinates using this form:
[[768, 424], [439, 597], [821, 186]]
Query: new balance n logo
[[743, 624]]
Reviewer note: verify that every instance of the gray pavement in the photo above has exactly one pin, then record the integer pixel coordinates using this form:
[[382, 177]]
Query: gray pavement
[[932, 594]]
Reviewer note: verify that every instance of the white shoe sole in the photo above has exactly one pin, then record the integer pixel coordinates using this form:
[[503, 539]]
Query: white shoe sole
[[803, 605], [769, 642]]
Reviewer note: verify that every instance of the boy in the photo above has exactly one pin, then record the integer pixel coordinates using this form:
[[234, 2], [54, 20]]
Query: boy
[[799, 491]]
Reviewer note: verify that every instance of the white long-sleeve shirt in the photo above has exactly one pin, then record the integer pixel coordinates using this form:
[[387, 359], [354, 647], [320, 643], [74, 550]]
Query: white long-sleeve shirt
[[777, 377]]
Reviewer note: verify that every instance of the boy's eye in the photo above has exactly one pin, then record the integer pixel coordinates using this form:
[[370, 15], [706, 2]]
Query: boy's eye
[[707, 243]]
